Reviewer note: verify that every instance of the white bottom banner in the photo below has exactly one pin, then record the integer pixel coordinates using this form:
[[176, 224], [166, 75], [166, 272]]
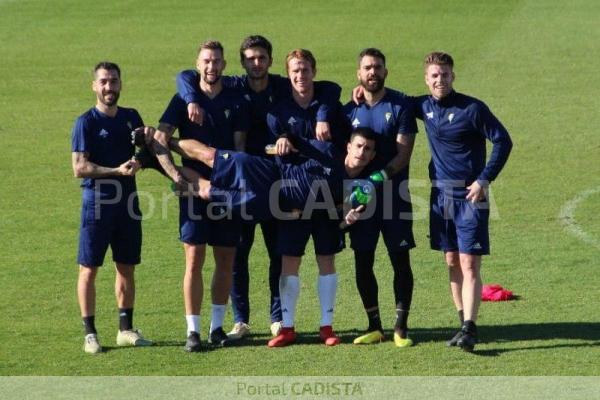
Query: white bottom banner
[[300, 387]]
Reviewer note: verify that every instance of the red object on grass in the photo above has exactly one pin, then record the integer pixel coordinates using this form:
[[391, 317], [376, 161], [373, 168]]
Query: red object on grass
[[495, 292]]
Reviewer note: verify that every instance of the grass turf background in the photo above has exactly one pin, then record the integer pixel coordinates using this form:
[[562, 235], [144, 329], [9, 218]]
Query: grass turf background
[[533, 63]]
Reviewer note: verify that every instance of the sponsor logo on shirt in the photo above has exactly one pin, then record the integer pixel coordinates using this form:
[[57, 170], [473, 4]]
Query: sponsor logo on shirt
[[247, 97], [103, 133], [429, 115], [356, 122], [129, 125], [225, 156], [291, 121]]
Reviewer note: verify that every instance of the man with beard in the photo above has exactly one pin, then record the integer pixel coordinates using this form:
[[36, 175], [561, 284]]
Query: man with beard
[[390, 114], [102, 155], [457, 128], [225, 126], [261, 90]]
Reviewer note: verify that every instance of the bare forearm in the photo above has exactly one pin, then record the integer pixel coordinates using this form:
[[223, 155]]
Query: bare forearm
[[84, 168], [160, 146], [405, 144], [90, 170]]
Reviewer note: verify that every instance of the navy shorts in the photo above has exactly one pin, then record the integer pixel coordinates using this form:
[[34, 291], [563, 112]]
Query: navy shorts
[[103, 224], [327, 237], [392, 218], [456, 224], [201, 222]]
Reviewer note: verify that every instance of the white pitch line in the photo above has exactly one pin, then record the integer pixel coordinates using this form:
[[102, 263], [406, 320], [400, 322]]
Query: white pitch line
[[567, 217]]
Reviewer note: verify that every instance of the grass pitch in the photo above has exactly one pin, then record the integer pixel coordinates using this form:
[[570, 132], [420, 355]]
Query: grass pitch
[[533, 63]]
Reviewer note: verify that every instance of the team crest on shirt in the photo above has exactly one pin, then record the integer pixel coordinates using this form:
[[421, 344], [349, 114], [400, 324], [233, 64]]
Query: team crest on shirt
[[225, 156], [355, 123], [247, 96], [429, 115], [450, 117], [388, 115], [129, 125], [227, 112], [291, 121], [103, 133], [327, 171], [270, 99]]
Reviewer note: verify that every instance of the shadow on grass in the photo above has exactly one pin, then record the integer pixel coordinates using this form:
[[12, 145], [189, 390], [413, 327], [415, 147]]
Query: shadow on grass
[[163, 343], [488, 335], [499, 334]]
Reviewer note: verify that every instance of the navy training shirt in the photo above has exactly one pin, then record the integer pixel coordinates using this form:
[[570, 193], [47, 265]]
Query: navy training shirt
[[260, 103], [225, 114], [392, 115], [107, 141], [457, 127]]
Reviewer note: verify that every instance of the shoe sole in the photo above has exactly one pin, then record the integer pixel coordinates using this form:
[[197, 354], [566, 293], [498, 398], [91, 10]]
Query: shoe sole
[[371, 341], [237, 336], [92, 352], [134, 345], [280, 344]]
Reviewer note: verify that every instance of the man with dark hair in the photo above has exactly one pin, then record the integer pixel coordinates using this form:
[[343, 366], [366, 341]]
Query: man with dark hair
[[390, 114], [102, 155], [225, 127], [260, 186], [457, 128], [261, 90]]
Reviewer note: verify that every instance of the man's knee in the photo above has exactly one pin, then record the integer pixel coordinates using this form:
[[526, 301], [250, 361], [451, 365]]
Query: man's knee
[[87, 274], [452, 259]]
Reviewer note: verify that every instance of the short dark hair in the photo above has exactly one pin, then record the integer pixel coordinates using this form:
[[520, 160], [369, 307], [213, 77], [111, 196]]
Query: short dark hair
[[438, 58], [364, 132], [373, 52], [211, 45], [107, 65], [301, 54], [255, 41]]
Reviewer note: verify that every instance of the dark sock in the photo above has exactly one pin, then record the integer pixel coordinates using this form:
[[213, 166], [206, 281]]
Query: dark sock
[[401, 323], [461, 316], [125, 319], [89, 325], [374, 321]]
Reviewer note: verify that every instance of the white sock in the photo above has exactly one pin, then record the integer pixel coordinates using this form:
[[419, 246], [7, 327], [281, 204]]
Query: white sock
[[217, 316], [327, 286], [193, 323], [289, 290]]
